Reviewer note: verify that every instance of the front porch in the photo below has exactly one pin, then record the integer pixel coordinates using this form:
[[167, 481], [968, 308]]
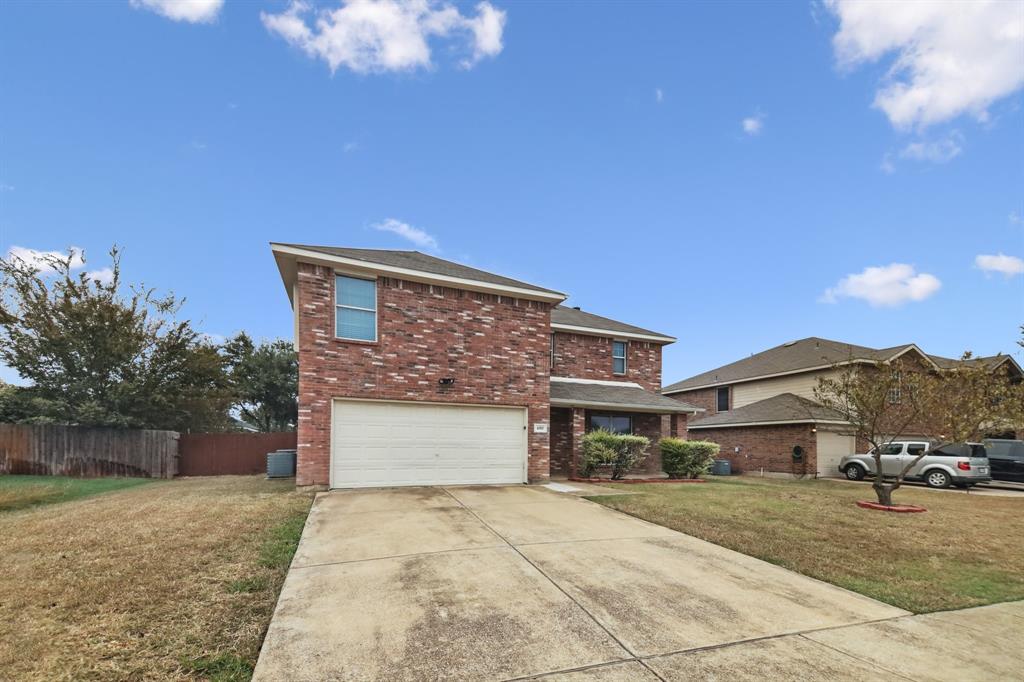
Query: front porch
[[579, 406]]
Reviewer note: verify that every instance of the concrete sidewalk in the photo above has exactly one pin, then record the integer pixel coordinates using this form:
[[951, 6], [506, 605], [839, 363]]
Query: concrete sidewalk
[[512, 583]]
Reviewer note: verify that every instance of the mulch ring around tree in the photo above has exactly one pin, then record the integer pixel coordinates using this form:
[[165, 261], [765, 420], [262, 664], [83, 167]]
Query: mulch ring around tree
[[638, 480], [898, 508]]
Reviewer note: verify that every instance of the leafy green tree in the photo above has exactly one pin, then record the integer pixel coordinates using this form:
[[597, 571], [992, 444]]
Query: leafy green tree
[[265, 382], [98, 357]]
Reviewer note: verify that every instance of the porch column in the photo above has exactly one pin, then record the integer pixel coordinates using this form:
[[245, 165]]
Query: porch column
[[579, 427]]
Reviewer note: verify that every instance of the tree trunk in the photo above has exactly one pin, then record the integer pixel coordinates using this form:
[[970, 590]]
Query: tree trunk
[[884, 492]]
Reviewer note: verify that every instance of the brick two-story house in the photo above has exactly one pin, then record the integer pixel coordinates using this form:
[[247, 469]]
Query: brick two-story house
[[414, 370], [758, 408]]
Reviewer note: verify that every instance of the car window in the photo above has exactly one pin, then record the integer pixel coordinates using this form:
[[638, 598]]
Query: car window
[[997, 449], [892, 449], [915, 449]]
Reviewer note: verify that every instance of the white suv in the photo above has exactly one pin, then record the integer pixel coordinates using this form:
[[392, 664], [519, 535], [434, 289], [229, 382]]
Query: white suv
[[962, 464]]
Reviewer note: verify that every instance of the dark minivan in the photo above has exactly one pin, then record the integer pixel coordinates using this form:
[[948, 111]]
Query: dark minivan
[[1006, 459]]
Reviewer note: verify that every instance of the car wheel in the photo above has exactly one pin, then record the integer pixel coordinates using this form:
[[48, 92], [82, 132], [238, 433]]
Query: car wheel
[[855, 472], [937, 479]]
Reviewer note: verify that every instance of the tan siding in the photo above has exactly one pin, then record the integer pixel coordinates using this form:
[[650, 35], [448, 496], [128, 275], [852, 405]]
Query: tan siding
[[797, 384]]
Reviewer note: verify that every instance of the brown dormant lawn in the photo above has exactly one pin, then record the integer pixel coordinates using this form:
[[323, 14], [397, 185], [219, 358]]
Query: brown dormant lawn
[[965, 551], [168, 580]]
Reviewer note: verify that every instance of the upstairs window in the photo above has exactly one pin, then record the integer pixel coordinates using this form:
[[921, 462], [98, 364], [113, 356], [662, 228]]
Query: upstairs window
[[896, 388], [723, 399], [552, 351], [618, 357], [356, 309]]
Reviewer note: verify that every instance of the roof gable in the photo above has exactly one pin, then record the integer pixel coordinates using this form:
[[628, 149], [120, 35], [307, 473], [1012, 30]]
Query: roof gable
[[406, 264]]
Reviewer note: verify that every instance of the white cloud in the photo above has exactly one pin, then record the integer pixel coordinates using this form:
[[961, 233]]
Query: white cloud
[[373, 36], [192, 11], [752, 125], [936, 151], [1015, 218], [350, 147], [949, 58], [887, 285], [4, 187], [414, 234], [103, 275], [1001, 263], [659, 96], [37, 260], [887, 166]]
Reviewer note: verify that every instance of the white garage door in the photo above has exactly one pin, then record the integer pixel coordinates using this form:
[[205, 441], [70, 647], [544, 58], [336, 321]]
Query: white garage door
[[832, 447], [404, 443]]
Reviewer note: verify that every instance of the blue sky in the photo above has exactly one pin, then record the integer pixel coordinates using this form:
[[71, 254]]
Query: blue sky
[[726, 173]]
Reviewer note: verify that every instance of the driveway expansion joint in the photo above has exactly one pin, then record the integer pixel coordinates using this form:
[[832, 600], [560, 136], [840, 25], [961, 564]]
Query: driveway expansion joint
[[562, 590]]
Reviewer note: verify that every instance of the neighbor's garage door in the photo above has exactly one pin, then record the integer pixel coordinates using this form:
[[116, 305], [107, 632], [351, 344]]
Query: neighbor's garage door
[[832, 447], [403, 443]]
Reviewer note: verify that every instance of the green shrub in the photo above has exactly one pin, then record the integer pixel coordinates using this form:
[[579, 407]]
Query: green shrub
[[621, 452], [687, 458]]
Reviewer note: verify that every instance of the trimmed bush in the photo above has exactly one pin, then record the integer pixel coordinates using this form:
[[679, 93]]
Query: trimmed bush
[[620, 452], [687, 458]]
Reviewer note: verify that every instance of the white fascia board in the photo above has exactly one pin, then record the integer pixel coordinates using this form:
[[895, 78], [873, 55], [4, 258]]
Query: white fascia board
[[612, 334], [919, 351], [362, 267], [627, 407], [782, 422], [598, 382]]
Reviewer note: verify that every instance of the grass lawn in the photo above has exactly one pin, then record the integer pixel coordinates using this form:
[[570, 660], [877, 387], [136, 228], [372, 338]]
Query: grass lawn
[[18, 492], [965, 551], [169, 580]]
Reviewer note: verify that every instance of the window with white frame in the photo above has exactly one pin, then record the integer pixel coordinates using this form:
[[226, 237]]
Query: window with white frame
[[356, 308], [896, 388], [618, 357]]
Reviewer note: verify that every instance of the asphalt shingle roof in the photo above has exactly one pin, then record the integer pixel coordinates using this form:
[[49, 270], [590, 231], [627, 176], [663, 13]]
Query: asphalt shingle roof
[[628, 396], [414, 260], [792, 356], [578, 318], [782, 408]]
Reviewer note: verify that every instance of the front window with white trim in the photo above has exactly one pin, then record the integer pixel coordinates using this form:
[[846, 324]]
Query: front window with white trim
[[355, 309], [618, 357]]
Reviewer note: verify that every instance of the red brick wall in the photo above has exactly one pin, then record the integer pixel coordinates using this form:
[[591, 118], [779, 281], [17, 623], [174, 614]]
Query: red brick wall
[[704, 397], [770, 447], [561, 441], [496, 348], [581, 356]]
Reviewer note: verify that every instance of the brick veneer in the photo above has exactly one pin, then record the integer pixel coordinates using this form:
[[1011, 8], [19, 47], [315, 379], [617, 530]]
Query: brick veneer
[[704, 397], [495, 347], [654, 426], [770, 447], [561, 441], [590, 357]]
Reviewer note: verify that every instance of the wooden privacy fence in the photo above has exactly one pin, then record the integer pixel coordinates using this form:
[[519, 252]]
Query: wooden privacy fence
[[218, 454], [46, 449]]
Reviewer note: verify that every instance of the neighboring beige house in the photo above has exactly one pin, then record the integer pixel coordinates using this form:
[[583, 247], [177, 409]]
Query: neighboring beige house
[[760, 407]]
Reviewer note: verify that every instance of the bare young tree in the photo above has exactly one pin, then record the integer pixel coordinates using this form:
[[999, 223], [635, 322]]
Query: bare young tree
[[886, 401], [880, 401], [970, 399]]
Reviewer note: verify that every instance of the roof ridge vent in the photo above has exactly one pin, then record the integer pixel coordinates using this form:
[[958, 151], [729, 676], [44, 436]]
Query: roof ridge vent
[[789, 343]]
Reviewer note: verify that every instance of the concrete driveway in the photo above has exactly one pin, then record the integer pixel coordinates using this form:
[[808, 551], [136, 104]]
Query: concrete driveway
[[501, 583]]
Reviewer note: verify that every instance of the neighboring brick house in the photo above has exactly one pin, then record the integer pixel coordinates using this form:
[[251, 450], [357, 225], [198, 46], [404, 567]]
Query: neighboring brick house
[[760, 407], [415, 370]]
